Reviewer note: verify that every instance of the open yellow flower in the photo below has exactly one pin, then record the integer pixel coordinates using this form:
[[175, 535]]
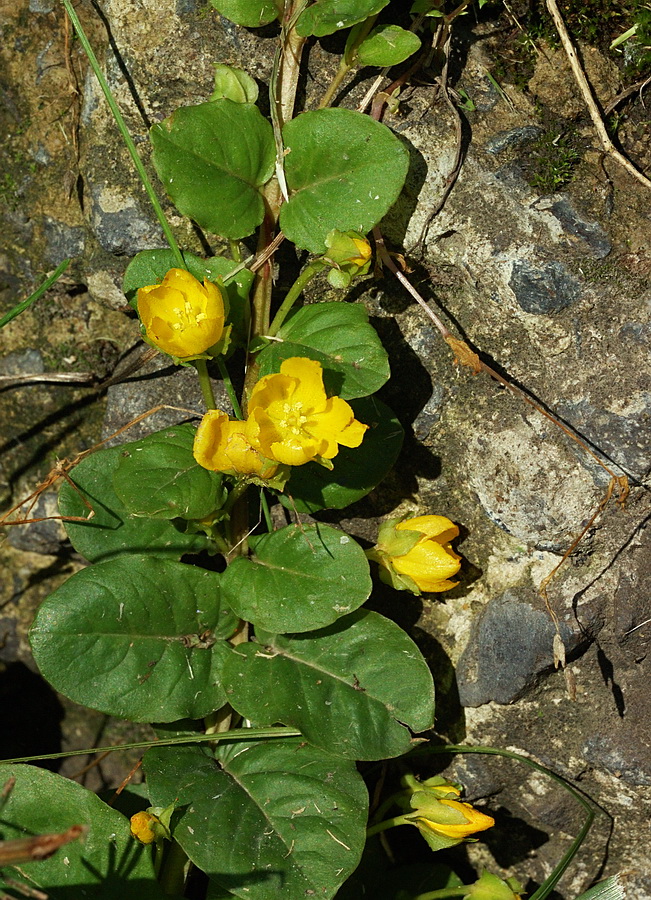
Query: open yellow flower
[[181, 316], [221, 445], [292, 420], [431, 561]]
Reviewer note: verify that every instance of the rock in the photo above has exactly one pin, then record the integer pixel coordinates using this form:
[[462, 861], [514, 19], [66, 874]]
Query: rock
[[22, 362], [62, 241], [510, 649], [591, 234], [158, 381], [512, 137], [623, 433], [622, 754], [543, 289], [45, 537], [119, 222]]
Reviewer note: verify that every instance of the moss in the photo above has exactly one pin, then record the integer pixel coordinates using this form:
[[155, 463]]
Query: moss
[[552, 162]]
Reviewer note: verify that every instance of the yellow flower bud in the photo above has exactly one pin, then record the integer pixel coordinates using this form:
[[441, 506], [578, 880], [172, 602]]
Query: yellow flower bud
[[447, 818], [432, 561], [143, 827], [221, 445], [292, 420], [181, 316], [365, 252]]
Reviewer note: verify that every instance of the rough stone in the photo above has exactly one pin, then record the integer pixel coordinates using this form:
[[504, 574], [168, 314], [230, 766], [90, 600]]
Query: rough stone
[[591, 234], [543, 289], [510, 647], [512, 137], [46, 537], [62, 241], [120, 224]]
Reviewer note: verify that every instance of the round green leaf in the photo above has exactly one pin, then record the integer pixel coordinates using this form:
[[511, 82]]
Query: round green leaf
[[107, 864], [300, 578], [112, 530], [350, 688], [356, 471], [344, 170], [387, 45], [160, 478], [250, 13], [267, 818], [327, 16], [137, 637], [337, 335], [212, 159]]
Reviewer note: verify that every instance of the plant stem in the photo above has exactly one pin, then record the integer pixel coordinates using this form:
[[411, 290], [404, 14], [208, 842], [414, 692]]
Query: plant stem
[[264, 503], [172, 872], [38, 293], [126, 137], [230, 390], [388, 823], [333, 87], [235, 250], [235, 734], [459, 891], [206, 385], [292, 296]]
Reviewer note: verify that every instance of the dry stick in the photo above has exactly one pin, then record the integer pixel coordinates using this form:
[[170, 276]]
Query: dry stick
[[632, 89], [588, 97]]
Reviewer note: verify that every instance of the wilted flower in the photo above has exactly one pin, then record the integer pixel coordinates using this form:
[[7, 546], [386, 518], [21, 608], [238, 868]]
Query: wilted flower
[[221, 445], [181, 316], [416, 554], [292, 420]]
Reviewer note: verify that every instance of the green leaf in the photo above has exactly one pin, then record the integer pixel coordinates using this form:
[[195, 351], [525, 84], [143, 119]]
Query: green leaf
[[213, 159], [160, 478], [387, 45], [337, 335], [327, 16], [344, 170], [234, 84], [350, 688], [250, 13], [106, 864], [151, 266], [112, 531], [137, 637], [268, 818], [356, 471], [610, 889], [300, 578]]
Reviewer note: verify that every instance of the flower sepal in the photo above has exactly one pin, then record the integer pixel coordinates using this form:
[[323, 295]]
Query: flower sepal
[[389, 576], [349, 256], [491, 887]]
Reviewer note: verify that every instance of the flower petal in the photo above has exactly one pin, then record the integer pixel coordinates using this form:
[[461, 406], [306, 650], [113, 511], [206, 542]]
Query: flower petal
[[429, 564], [438, 527], [309, 388]]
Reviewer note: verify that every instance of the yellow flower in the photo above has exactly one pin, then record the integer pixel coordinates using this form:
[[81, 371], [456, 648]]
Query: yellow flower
[[143, 827], [456, 820], [365, 251], [221, 445], [292, 420], [431, 561], [181, 316]]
